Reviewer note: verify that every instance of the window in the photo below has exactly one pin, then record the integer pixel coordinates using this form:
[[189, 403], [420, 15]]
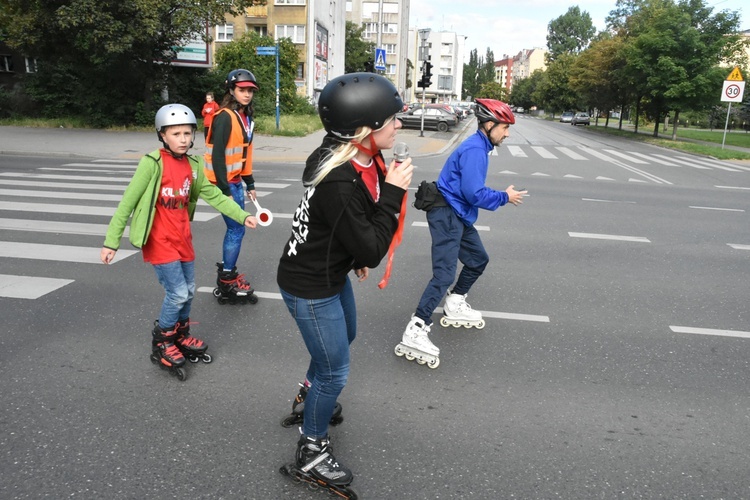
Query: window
[[289, 2], [390, 48], [300, 71], [30, 65], [296, 32], [6, 63], [390, 28], [390, 69], [261, 30], [225, 33], [369, 30]]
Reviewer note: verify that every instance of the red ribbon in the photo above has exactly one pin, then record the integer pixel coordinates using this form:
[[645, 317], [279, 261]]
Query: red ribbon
[[395, 242]]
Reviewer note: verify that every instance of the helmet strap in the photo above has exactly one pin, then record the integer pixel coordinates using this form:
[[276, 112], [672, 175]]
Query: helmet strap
[[372, 153]]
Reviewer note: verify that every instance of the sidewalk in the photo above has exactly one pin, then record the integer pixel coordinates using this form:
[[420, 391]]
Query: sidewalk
[[87, 143]]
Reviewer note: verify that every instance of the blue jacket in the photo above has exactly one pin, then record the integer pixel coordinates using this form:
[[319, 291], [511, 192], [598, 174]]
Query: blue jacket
[[462, 180]]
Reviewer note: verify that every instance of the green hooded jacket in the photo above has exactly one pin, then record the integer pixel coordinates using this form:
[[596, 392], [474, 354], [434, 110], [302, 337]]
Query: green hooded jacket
[[139, 200]]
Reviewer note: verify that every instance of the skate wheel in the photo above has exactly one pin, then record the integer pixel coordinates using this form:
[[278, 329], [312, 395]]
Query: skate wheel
[[223, 300], [181, 374], [398, 352], [336, 420], [444, 322], [253, 299], [207, 358], [421, 361], [217, 293], [313, 486], [434, 364], [193, 359], [409, 357], [154, 359], [480, 325]]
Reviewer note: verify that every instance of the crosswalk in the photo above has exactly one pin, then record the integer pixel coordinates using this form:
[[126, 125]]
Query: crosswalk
[[629, 161], [75, 199]]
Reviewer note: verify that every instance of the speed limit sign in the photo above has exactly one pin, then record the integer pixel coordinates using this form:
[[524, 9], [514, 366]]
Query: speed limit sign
[[732, 91]]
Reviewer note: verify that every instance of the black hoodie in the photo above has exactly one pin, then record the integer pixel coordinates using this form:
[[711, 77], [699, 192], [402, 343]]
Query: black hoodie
[[337, 227]]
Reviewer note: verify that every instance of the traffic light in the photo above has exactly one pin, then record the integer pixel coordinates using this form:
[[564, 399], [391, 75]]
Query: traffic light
[[427, 74]]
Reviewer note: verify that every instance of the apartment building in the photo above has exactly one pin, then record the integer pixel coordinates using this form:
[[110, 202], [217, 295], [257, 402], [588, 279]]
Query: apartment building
[[504, 72], [445, 49], [526, 62], [316, 27]]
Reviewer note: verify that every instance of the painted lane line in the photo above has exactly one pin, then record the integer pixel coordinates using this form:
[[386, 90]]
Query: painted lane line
[[51, 226], [712, 161], [653, 159], [424, 224], [82, 210], [687, 159], [29, 287], [122, 166], [608, 201], [738, 246], [717, 208], [544, 153], [635, 239], [733, 187], [618, 163], [65, 177], [63, 185], [626, 157], [439, 310], [710, 331], [58, 253], [571, 154], [689, 164], [60, 195]]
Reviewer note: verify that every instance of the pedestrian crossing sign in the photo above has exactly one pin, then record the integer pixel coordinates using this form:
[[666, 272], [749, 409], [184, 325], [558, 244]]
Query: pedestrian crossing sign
[[735, 76], [380, 59]]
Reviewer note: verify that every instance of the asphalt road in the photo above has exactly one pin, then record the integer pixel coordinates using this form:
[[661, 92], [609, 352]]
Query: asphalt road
[[614, 363]]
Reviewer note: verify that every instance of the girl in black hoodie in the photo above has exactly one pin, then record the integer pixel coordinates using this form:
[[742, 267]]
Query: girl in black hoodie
[[345, 221]]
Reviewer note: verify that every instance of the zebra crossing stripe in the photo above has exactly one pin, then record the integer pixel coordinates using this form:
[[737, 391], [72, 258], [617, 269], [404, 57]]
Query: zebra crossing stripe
[[26, 193], [626, 157], [52, 226], [634, 239], [516, 151], [719, 166], [57, 253], [699, 167], [653, 159], [544, 153], [571, 154], [717, 162], [28, 287], [81, 210], [710, 331], [65, 177]]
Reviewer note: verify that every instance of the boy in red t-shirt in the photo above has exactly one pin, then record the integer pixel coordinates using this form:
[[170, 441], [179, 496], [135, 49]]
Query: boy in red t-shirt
[[161, 198], [207, 112]]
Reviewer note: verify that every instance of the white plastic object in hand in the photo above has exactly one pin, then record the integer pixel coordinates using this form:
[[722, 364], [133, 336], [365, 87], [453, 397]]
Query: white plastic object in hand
[[264, 216]]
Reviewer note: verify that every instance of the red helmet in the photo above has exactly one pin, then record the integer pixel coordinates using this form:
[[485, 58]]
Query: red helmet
[[492, 110]]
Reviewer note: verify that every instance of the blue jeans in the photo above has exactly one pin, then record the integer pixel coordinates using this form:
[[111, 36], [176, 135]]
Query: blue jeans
[[452, 241], [235, 230], [178, 280], [328, 326]]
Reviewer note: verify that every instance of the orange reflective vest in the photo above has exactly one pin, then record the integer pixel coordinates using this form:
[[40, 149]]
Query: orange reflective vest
[[238, 151]]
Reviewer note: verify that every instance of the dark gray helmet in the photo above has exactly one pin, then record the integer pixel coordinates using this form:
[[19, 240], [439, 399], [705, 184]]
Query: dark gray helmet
[[241, 78], [357, 100]]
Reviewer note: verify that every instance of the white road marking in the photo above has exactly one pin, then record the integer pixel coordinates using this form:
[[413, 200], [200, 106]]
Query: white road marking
[[81, 210], [689, 164], [691, 161], [29, 287], [50, 226], [733, 187], [626, 157], [618, 163], [717, 208], [737, 246], [653, 159], [571, 154], [635, 239], [516, 151], [710, 331], [59, 253], [608, 201], [60, 195], [544, 153]]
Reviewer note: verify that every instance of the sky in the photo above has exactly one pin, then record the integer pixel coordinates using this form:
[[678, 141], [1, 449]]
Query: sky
[[508, 27]]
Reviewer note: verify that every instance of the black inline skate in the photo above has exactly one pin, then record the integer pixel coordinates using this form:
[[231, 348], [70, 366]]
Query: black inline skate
[[192, 348], [165, 354], [231, 287], [298, 411], [316, 466]]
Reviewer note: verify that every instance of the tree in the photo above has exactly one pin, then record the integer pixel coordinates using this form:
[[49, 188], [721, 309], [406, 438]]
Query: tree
[[553, 89], [523, 91], [569, 33], [493, 90], [478, 72], [359, 52], [112, 54]]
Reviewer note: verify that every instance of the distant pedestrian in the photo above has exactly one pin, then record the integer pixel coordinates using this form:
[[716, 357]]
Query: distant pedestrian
[[453, 206], [209, 108], [229, 163], [161, 199]]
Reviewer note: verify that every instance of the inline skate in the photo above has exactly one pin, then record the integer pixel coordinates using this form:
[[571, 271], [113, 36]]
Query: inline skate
[[416, 344], [316, 466], [456, 313], [192, 348], [165, 354], [298, 411], [231, 287]]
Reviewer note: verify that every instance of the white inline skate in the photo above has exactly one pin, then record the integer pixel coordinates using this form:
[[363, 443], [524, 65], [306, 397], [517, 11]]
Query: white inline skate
[[456, 313], [416, 344]]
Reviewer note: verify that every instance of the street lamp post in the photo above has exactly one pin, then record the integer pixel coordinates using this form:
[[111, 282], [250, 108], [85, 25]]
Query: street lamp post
[[424, 34]]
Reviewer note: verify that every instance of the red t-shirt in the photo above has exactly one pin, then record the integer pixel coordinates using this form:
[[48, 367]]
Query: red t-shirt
[[369, 174], [170, 238], [208, 111]]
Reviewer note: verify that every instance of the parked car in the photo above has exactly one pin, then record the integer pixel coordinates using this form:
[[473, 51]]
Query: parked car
[[439, 119], [581, 119], [567, 116]]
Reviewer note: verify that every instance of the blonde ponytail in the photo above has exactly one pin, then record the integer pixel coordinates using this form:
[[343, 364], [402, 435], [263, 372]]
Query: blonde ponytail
[[339, 155]]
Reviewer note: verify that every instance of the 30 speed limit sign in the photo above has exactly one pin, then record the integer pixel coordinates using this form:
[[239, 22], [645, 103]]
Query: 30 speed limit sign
[[732, 91]]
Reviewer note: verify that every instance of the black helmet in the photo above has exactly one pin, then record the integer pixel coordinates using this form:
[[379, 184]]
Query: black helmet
[[357, 100], [240, 78]]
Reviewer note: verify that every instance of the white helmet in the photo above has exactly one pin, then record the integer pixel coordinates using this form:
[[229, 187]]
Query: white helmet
[[174, 114]]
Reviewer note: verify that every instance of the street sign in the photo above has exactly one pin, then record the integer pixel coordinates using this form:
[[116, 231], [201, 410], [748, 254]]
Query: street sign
[[265, 51], [735, 75], [380, 59], [732, 91]]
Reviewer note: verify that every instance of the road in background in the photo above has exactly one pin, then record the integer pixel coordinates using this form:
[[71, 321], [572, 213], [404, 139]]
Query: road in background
[[613, 363]]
